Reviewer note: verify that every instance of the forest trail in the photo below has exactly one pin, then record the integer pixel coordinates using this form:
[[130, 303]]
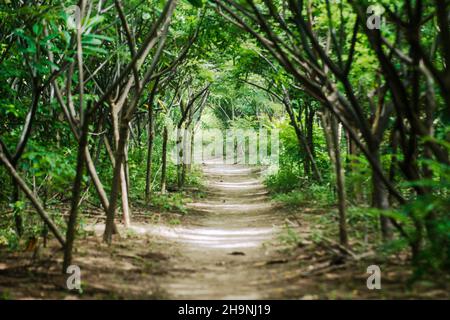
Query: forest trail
[[221, 253], [229, 246]]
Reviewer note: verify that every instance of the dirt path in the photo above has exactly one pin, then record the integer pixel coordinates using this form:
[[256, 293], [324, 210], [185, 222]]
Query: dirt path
[[220, 255], [227, 247]]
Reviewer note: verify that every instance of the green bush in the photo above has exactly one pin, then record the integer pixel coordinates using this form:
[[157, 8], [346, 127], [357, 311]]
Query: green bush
[[312, 194], [284, 180], [170, 202]]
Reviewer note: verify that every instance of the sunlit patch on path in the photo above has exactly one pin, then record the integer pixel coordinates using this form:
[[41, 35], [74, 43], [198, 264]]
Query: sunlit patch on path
[[201, 238], [234, 222], [226, 249]]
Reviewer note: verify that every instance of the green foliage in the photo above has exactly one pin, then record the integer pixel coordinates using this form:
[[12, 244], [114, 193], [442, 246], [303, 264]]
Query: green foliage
[[292, 199], [247, 91], [171, 202], [196, 3], [9, 238], [285, 180], [311, 194], [290, 175]]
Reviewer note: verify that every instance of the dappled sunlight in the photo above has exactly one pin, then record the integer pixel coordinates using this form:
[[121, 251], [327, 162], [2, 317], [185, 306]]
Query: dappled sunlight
[[237, 206], [208, 237], [228, 171], [224, 149], [243, 194], [242, 186], [228, 221], [238, 201]]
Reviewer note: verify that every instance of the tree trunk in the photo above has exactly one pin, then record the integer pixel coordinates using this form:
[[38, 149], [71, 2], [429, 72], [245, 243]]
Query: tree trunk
[[16, 197], [122, 174], [76, 193], [180, 155], [309, 123], [302, 140], [116, 183], [186, 156], [330, 127], [380, 198], [164, 160], [150, 131], [192, 149], [394, 161], [356, 187], [124, 193], [340, 183]]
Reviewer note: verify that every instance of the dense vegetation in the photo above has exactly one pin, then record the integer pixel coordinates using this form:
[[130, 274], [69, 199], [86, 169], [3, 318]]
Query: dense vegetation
[[92, 93]]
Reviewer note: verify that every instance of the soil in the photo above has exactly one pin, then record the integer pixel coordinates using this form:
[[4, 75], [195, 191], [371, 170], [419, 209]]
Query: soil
[[231, 244]]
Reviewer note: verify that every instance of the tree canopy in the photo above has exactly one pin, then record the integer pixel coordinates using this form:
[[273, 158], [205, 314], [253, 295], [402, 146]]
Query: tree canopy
[[94, 95]]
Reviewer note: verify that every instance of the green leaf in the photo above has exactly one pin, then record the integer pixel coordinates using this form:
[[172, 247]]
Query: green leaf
[[94, 21], [91, 41], [49, 38], [37, 29], [101, 37], [93, 50], [196, 3]]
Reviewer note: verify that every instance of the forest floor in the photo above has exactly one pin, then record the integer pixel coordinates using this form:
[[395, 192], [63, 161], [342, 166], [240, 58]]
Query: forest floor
[[233, 243]]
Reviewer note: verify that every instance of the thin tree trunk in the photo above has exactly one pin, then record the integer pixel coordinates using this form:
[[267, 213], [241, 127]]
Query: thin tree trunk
[[306, 158], [151, 122], [330, 127], [116, 183], [380, 199], [125, 185], [302, 140], [184, 166], [356, 187], [126, 162], [164, 160], [122, 174], [394, 161], [17, 217], [76, 192], [124, 194], [180, 155], [343, 237], [191, 153]]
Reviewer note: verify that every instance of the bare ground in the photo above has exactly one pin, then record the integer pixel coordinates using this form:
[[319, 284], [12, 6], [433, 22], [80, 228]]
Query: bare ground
[[227, 247]]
